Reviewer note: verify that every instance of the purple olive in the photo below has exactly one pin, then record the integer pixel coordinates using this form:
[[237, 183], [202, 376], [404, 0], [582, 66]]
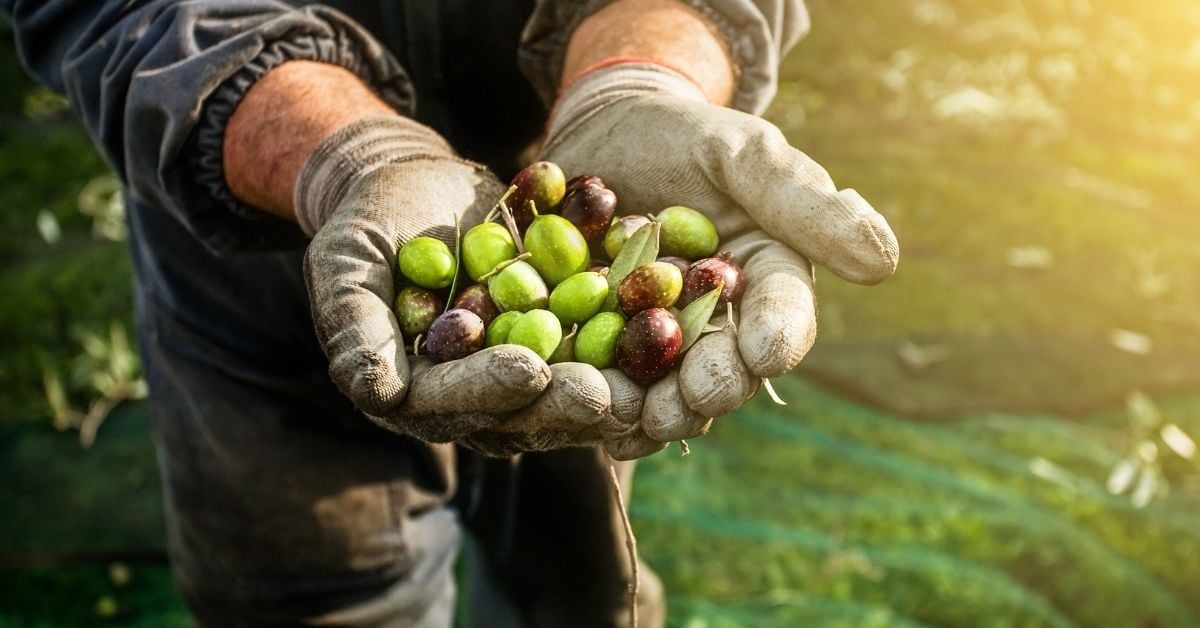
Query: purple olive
[[590, 209], [679, 263], [704, 275], [649, 346], [455, 334], [541, 182], [585, 180], [476, 299]]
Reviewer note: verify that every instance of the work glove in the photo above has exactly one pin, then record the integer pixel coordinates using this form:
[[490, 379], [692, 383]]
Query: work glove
[[653, 137], [361, 195]]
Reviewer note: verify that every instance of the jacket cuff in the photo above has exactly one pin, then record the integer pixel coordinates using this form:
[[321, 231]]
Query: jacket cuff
[[341, 42], [759, 33]]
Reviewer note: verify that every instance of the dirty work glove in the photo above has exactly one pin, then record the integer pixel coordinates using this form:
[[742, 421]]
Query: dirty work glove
[[649, 132], [364, 192]]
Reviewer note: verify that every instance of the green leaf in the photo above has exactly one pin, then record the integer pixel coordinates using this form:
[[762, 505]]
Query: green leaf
[[694, 318], [640, 248]]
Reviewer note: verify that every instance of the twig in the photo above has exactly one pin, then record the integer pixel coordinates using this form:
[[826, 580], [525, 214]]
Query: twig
[[630, 541]]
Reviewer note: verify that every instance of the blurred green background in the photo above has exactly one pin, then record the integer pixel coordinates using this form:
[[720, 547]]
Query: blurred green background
[[997, 436]]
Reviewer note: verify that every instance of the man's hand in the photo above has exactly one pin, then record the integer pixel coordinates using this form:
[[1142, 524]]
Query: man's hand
[[657, 138]]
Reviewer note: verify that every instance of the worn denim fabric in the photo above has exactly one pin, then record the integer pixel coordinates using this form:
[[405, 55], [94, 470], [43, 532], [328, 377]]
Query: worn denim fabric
[[284, 505]]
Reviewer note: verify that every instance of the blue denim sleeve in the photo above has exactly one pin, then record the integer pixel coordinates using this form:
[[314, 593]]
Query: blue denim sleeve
[[759, 34], [155, 82]]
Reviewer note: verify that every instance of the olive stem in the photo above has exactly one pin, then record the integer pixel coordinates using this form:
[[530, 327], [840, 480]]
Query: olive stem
[[505, 264], [766, 383], [496, 208], [684, 449], [416, 342], [630, 540], [511, 224]]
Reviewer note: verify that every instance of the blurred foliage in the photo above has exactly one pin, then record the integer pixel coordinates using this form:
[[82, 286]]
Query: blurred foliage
[[1037, 160], [107, 373], [56, 275]]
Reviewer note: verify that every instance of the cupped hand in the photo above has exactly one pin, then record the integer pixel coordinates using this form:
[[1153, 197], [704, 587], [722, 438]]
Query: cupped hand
[[656, 142]]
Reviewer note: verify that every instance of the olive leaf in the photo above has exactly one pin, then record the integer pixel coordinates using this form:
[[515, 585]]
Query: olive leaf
[[694, 318], [640, 248]]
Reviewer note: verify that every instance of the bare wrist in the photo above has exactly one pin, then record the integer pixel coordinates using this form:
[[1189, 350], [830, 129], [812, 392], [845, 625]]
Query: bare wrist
[[667, 32], [282, 118]]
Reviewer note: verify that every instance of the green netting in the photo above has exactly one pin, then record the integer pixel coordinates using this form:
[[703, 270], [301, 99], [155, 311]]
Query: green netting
[[830, 501]]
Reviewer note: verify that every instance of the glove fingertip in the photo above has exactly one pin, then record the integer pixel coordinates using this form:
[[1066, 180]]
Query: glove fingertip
[[713, 378], [870, 252]]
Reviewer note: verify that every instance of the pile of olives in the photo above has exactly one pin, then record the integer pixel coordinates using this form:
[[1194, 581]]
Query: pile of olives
[[555, 270]]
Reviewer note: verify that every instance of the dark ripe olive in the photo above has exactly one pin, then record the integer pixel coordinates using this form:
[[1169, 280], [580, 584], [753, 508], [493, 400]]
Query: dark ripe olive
[[541, 182], [416, 309], [585, 180], [656, 284], [455, 334], [590, 209], [679, 263], [649, 345], [704, 275], [476, 299]]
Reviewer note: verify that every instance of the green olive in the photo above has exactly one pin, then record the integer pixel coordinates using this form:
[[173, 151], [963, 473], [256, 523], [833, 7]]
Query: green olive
[[619, 231], [518, 287], [579, 297], [484, 247], [427, 262], [596, 342], [497, 332], [556, 248], [686, 233], [538, 330]]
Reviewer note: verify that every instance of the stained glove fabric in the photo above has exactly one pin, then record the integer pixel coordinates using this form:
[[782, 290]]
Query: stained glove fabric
[[648, 131]]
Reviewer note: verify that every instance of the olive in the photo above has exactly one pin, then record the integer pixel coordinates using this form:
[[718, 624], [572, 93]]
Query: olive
[[416, 309], [596, 343], [649, 345], [518, 287], [620, 231], [541, 182], [679, 263], [705, 275], [656, 284], [585, 180], [591, 210], [538, 330], [556, 248], [455, 334], [579, 297], [686, 233], [484, 246], [427, 262], [497, 332], [475, 298]]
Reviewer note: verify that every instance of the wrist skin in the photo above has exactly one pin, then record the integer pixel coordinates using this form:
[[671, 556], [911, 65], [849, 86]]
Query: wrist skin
[[295, 106], [281, 120], [667, 32]]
